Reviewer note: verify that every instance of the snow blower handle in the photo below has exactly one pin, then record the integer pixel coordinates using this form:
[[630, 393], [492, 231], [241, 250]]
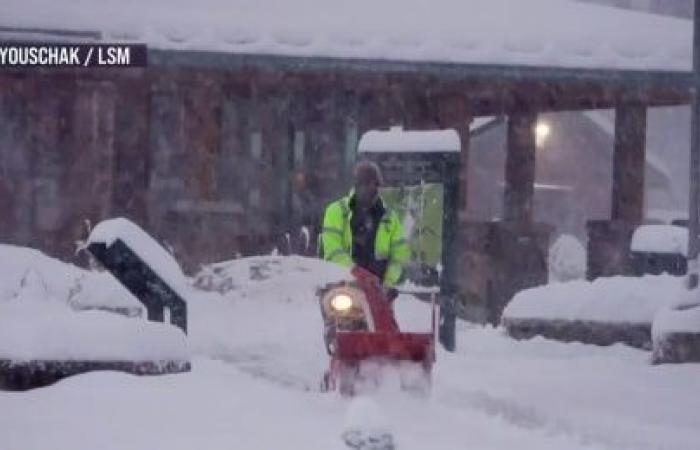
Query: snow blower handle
[[376, 294], [365, 276], [435, 316]]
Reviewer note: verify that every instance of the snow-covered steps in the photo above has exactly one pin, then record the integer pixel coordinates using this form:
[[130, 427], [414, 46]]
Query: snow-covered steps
[[602, 312]]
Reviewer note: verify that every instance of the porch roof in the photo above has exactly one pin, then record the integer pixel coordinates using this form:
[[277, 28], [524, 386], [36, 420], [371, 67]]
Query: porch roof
[[533, 33]]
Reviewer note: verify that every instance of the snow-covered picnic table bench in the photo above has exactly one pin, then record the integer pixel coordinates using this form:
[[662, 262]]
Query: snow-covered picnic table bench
[[57, 320]]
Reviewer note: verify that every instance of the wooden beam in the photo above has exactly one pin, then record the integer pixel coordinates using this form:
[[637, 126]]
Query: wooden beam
[[520, 167], [629, 163]]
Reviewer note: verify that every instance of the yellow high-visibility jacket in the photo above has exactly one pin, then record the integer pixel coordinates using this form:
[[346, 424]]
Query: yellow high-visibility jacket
[[389, 244]]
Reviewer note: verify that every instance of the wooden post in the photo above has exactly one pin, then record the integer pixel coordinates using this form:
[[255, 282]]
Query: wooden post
[[464, 138], [452, 112], [629, 163], [694, 197], [351, 128], [454, 186], [520, 168]]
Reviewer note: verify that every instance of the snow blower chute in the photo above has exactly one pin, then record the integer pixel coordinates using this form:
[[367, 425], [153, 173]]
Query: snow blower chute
[[362, 337]]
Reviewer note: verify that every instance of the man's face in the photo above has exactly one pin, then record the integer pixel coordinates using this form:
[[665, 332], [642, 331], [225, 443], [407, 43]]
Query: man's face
[[366, 188]]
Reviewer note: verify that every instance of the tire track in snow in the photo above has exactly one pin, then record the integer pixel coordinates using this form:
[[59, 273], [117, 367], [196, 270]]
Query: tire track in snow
[[533, 419], [260, 365]]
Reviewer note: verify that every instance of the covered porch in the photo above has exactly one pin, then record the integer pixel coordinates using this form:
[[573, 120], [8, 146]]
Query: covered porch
[[215, 145]]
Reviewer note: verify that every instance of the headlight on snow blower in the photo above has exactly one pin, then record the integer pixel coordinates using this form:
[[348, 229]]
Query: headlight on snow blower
[[341, 302], [346, 302]]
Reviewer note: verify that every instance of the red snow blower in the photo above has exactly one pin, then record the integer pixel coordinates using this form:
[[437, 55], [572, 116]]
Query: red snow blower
[[362, 337]]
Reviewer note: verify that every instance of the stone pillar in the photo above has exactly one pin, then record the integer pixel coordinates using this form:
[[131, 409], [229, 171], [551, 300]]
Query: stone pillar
[[504, 257], [500, 259], [520, 168]]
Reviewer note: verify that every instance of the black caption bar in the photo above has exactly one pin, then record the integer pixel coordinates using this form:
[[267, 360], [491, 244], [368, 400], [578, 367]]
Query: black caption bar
[[72, 55]]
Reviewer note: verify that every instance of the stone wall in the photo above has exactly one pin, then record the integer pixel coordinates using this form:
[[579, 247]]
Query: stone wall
[[215, 163]]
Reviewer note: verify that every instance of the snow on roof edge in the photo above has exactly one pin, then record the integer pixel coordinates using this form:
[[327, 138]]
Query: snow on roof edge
[[543, 33], [397, 139]]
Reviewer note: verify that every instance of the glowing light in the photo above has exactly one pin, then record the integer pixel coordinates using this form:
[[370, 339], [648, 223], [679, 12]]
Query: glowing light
[[341, 302], [542, 132]]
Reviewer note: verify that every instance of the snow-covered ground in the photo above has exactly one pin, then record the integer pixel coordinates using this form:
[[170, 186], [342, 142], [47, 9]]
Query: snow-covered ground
[[255, 330]]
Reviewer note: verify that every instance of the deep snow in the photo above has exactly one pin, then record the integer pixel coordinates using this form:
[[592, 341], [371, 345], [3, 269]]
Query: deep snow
[[259, 358], [54, 311]]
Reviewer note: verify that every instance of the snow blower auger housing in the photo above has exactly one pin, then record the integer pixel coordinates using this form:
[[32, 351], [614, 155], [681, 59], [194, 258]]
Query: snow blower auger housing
[[362, 338]]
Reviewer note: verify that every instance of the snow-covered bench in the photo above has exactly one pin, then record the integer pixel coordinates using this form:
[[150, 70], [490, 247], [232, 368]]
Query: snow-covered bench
[[44, 340], [55, 321], [659, 248], [602, 312]]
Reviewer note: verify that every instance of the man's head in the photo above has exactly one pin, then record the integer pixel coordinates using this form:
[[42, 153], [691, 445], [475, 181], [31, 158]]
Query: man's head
[[367, 178]]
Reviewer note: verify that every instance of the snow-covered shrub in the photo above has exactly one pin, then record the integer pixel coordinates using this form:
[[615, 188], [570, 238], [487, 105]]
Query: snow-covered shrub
[[567, 259]]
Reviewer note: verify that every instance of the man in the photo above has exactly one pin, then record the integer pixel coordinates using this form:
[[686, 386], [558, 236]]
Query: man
[[359, 229]]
